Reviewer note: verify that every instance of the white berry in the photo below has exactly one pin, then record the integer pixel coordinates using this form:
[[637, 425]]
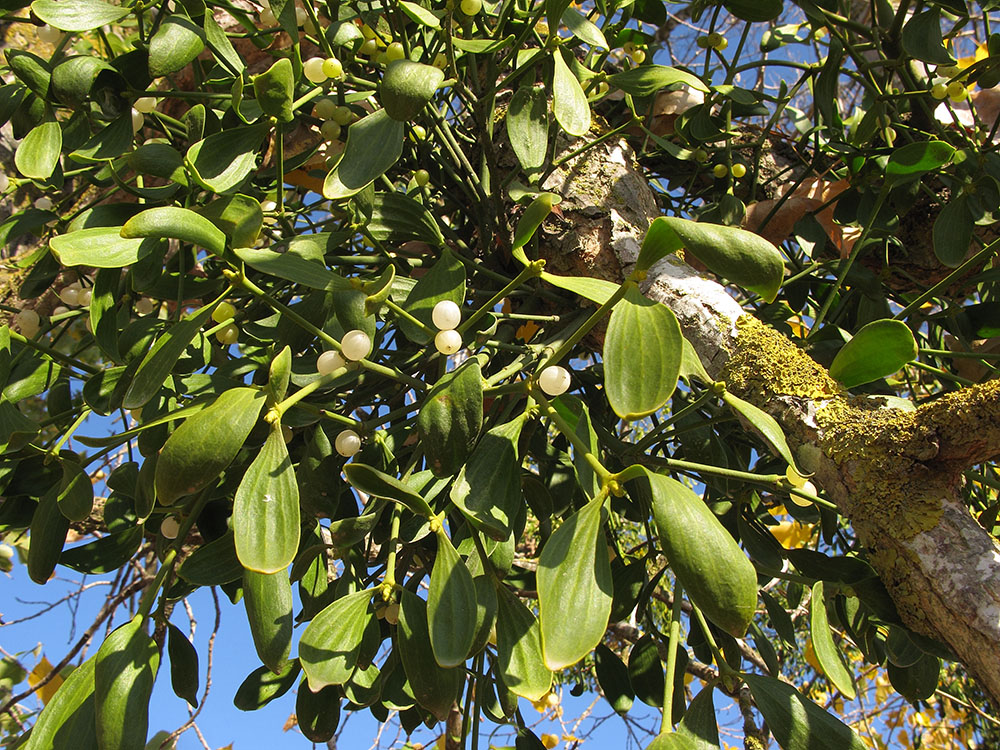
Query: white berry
[[355, 345], [267, 18], [44, 203], [554, 380], [59, 310], [347, 443], [313, 69], [328, 362], [446, 315], [169, 527], [144, 104], [794, 478], [324, 109], [48, 34], [448, 342], [83, 297], [69, 295], [138, 120], [28, 322], [143, 306]]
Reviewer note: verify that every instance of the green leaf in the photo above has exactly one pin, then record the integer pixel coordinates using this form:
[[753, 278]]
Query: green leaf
[[451, 606], [533, 216], [100, 247], [795, 721], [78, 15], [612, 676], [183, 665], [397, 218], [519, 648], [159, 160], [642, 356], [914, 159], [528, 126], [67, 720], [32, 70], [198, 451], [176, 42], [765, 424], [482, 46], [173, 222], [444, 281], [379, 484], [275, 90], [670, 741], [223, 160], [266, 509], [162, 357], [434, 687], [584, 29], [488, 487], [74, 78], [574, 411], [262, 686], [38, 154], [278, 376], [420, 14], [104, 555], [407, 86], [238, 216], [450, 419], [123, 683], [292, 267], [328, 648], [918, 681], [574, 584], [110, 142], [16, 430], [699, 724], [723, 584], [569, 103], [879, 349], [268, 601], [374, 143], [922, 38], [646, 80], [645, 671], [222, 48], [317, 714], [48, 535], [827, 653], [75, 493], [742, 257], [213, 564], [953, 229], [755, 10], [596, 290]]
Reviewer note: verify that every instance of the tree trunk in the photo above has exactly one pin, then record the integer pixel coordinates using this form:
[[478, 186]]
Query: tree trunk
[[895, 474]]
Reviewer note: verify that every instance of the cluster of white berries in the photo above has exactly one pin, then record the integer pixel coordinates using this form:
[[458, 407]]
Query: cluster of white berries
[[72, 295], [319, 70], [446, 316]]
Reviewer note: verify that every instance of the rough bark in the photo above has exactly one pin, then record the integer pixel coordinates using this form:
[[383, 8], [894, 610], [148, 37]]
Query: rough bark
[[895, 474]]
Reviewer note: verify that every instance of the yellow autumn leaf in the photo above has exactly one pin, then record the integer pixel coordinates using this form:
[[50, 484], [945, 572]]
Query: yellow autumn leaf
[[527, 331], [39, 673], [792, 534]]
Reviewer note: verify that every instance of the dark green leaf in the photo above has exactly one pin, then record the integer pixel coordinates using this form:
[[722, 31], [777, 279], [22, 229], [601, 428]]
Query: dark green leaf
[[183, 665], [268, 601], [262, 686], [373, 482], [914, 159], [223, 160], [451, 417], [275, 90], [764, 423], [922, 38], [123, 682], [451, 606], [68, 718], [330, 644], [528, 126], [827, 653], [612, 676], [444, 281], [646, 80], [953, 230], [434, 688], [519, 648], [317, 714], [176, 42], [374, 143], [879, 349], [569, 103], [699, 724]]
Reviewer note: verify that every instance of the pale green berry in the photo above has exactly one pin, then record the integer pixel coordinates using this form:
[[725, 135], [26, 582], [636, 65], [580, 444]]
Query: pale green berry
[[418, 132], [342, 115], [794, 478], [720, 171], [143, 306], [286, 433], [446, 315], [83, 297], [638, 56], [421, 177], [471, 7], [957, 91], [939, 91], [554, 380], [347, 443], [448, 342], [169, 527], [223, 311], [267, 19], [333, 68], [330, 130], [138, 120], [369, 47], [27, 322], [355, 345], [394, 52], [324, 109], [69, 295], [228, 335], [329, 361], [48, 34], [313, 70]]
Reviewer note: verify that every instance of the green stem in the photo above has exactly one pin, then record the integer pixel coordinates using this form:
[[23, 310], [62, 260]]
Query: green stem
[[530, 271], [52, 353], [578, 445], [400, 312], [389, 580], [54, 451], [666, 721], [724, 668], [308, 389], [948, 280], [589, 323]]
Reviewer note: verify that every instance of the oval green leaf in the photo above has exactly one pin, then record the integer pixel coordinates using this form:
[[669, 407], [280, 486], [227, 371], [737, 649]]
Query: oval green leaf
[[177, 42], [329, 646], [262, 686], [533, 217], [266, 509], [569, 103], [827, 653], [100, 247], [205, 444], [123, 683], [374, 143], [406, 88], [451, 606], [183, 665], [275, 90], [765, 424], [642, 356], [528, 126], [795, 721], [742, 257], [434, 687], [317, 714], [68, 717], [612, 676], [268, 601], [953, 229], [574, 585], [38, 154], [451, 417], [519, 648], [376, 483], [173, 222], [879, 349], [646, 80], [78, 15], [223, 160], [722, 584]]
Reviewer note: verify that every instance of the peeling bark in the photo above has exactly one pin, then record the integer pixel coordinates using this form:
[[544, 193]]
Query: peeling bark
[[895, 474]]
